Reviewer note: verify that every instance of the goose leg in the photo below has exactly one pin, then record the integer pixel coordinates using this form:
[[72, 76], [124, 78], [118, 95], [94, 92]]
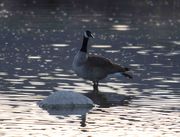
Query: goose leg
[[95, 87]]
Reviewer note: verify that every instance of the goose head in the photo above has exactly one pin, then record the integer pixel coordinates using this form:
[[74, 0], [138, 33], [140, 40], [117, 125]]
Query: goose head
[[88, 34]]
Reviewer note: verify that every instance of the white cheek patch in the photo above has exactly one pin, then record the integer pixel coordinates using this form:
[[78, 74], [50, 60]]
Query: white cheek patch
[[85, 35]]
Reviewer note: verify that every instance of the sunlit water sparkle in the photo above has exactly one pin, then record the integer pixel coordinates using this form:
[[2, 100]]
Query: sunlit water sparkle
[[37, 49]]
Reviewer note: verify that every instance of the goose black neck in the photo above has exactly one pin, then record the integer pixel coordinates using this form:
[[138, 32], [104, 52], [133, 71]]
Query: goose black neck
[[84, 44]]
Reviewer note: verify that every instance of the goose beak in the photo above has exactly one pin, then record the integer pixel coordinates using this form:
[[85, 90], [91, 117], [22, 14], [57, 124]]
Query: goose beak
[[92, 36]]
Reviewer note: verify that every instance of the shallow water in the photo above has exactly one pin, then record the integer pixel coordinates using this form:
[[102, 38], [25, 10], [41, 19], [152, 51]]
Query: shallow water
[[38, 43]]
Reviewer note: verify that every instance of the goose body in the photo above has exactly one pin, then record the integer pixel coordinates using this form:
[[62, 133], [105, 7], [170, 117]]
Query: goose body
[[94, 68]]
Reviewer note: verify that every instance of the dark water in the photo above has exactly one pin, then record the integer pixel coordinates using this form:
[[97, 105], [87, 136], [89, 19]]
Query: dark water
[[39, 40]]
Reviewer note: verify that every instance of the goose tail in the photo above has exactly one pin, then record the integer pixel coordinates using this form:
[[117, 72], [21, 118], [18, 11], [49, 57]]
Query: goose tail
[[123, 71], [127, 75]]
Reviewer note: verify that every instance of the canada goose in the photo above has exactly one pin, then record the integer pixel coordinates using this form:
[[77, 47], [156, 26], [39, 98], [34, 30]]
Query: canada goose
[[95, 68]]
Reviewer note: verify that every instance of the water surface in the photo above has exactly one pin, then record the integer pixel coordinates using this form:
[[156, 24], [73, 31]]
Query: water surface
[[39, 40]]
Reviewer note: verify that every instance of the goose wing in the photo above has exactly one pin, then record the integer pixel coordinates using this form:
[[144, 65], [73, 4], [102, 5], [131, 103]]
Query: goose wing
[[98, 61], [105, 64]]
